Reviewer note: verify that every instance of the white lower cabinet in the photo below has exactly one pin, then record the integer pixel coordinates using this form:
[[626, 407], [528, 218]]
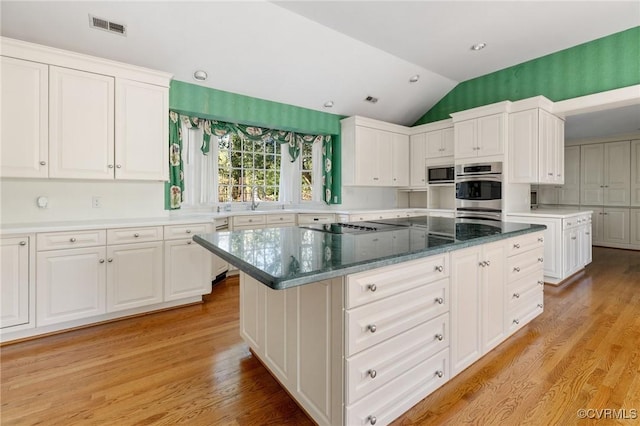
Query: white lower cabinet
[[616, 225], [134, 275], [15, 281], [477, 310], [71, 284]]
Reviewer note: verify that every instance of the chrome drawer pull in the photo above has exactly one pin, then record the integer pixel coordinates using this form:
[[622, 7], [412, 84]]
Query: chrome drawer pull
[[517, 269], [540, 259], [487, 263], [517, 246], [439, 337], [372, 328], [540, 305], [516, 321], [482, 263], [23, 243], [72, 239], [372, 373], [516, 295], [439, 268], [372, 420], [372, 287], [540, 240], [541, 282], [189, 242], [439, 373], [188, 231], [439, 300]]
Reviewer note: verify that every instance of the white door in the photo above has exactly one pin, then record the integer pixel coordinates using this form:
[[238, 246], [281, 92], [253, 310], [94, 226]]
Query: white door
[[491, 135], [71, 284], [400, 169], [635, 172], [592, 174], [81, 124], [417, 150], [523, 139], [24, 134], [134, 275], [617, 173], [466, 319], [14, 281], [141, 131], [435, 144], [465, 136], [187, 270], [493, 290], [570, 191], [616, 225]]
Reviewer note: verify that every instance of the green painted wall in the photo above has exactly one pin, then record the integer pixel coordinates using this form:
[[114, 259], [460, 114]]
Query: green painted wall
[[604, 64], [210, 103]]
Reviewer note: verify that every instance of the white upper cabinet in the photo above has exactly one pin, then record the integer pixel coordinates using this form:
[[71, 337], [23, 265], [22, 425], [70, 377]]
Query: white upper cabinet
[[141, 144], [24, 143], [605, 174], [440, 143], [81, 129], [536, 154], [635, 172], [480, 137]]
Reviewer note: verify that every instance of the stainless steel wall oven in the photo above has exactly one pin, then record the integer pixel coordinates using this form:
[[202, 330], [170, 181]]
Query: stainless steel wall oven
[[479, 191]]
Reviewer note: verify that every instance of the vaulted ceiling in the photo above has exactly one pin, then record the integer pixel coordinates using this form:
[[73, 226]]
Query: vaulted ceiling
[[306, 53]]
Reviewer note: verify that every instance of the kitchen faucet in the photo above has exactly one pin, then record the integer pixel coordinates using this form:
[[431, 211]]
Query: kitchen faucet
[[254, 193]]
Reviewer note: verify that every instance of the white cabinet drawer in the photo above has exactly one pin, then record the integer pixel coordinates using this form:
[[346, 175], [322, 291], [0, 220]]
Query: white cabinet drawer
[[134, 235], [525, 264], [363, 217], [253, 220], [307, 218], [369, 286], [172, 232], [572, 222], [526, 242], [375, 367], [72, 239], [523, 289], [384, 405], [289, 219], [378, 321], [524, 311], [221, 223]]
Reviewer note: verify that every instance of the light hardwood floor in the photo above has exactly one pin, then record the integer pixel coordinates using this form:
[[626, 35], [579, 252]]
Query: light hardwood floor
[[190, 366]]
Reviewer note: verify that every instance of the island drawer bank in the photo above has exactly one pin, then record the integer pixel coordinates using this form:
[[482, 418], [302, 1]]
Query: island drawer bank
[[358, 336]]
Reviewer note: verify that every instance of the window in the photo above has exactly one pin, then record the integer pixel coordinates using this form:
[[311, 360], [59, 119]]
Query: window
[[245, 166]]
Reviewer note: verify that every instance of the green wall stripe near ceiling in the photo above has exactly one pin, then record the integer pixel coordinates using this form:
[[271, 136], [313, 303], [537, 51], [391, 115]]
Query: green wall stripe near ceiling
[[604, 64], [205, 102]]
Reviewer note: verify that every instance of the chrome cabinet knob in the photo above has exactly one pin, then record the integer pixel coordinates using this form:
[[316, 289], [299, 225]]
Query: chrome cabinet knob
[[72, 239], [540, 305], [516, 246], [372, 373], [23, 243], [439, 373], [482, 263], [541, 282], [516, 269], [110, 166], [372, 328], [189, 242], [372, 420], [439, 300], [43, 163], [540, 259], [487, 263], [439, 337], [118, 166], [540, 240], [372, 287], [188, 231], [136, 235], [439, 268], [110, 260], [516, 295], [516, 321], [101, 260]]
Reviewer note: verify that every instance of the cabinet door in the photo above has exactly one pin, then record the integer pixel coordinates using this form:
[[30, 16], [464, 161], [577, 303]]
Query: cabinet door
[[187, 269], [383, 154], [465, 139], [591, 174], [569, 193], [141, 131], [14, 281], [493, 288], [71, 285], [559, 148], [24, 137], [400, 169], [547, 148], [523, 140], [635, 227], [586, 252], [466, 319], [597, 225], [616, 225], [81, 124], [491, 135], [635, 173], [366, 158], [434, 144], [617, 173], [447, 142], [417, 149], [571, 250], [134, 275]]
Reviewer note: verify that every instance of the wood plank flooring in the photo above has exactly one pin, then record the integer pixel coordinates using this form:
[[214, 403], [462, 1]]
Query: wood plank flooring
[[189, 366]]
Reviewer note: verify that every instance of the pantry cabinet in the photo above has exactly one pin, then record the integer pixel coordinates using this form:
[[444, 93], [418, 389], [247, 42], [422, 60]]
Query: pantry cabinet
[[605, 172], [24, 136], [15, 279]]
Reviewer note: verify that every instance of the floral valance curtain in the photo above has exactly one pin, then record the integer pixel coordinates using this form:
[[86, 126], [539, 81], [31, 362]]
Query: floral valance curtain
[[221, 128]]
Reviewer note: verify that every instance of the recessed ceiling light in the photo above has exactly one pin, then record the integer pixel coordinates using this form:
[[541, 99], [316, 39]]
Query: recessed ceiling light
[[328, 104], [414, 78], [200, 75], [478, 46]]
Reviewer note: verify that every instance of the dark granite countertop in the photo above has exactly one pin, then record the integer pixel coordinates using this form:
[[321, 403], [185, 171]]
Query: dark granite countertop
[[291, 256]]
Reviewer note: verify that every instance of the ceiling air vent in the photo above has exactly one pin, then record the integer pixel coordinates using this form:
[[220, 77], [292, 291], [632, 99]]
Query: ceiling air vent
[[105, 25], [371, 99]]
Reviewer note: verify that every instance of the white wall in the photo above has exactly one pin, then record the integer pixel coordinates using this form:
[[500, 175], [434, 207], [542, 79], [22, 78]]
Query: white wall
[[71, 200]]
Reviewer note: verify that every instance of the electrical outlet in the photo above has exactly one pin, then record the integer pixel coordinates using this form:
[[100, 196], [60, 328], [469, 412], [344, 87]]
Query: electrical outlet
[[96, 202]]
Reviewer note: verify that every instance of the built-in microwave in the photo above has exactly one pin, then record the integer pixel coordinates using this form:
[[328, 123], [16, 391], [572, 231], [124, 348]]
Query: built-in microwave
[[440, 174]]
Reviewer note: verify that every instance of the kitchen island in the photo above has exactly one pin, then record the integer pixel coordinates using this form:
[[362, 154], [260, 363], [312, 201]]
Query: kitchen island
[[359, 322]]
